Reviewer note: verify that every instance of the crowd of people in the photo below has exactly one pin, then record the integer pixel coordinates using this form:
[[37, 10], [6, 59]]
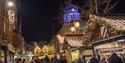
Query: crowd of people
[[114, 58], [46, 59]]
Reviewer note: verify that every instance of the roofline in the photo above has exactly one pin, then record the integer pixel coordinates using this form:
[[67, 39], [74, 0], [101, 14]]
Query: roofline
[[74, 35]]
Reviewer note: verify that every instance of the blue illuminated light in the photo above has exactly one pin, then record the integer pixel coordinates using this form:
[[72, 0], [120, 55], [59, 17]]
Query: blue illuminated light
[[71, 13], [73, 9]]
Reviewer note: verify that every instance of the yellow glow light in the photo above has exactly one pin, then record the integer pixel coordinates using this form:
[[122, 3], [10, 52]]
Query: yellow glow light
[[76, 24], [73, 29]]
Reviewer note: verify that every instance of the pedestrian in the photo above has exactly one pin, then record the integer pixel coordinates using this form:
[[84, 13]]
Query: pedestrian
[[1, 61], [62, 59], [41, 60], [54, 60], [24, 61], [46, 59], [114, 58], [83, 59], [103, 59], [18, 60], [80, 61], [94, 59], [35, 59], [122, 57]]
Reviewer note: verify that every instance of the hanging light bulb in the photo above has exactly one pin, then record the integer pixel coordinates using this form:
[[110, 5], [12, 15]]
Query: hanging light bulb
[[10, 3], [73, 29], [77, 24]]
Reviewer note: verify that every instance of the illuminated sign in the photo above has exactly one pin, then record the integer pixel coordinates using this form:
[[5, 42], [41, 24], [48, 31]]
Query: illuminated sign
[[75, 55], [71, 13]]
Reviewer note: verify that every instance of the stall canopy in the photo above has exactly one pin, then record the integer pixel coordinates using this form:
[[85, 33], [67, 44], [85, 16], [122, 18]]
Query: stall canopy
[[117, 24], [74, 40]]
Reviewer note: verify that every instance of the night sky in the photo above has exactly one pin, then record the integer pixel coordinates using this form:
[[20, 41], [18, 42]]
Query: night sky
[[37, 16], [37, 19]]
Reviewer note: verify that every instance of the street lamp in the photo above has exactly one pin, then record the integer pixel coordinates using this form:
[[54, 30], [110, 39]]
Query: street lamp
[[10, 3]]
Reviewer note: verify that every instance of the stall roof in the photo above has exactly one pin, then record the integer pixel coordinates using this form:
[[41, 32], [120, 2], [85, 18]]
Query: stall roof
[[65, 29], [74, 40], [117, 24]]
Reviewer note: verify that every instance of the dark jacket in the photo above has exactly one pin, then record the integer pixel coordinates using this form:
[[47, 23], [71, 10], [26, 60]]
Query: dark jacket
[[80, 60], [55, 60], [62, 61], [94, 60], [46, 59], [115, 59]]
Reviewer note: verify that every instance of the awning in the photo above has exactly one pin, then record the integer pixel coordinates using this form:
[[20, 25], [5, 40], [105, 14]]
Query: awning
[[74, 40]]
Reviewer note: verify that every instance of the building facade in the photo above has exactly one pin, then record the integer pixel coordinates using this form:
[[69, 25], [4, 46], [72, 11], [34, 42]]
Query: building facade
[[9, 36]]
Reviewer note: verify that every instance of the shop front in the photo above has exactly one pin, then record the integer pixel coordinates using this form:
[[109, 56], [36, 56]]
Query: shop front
[[105, 49], [3, 54], [6, 53]]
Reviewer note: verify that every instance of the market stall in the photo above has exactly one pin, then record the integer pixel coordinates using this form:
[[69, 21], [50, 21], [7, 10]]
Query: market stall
[[105, 34]]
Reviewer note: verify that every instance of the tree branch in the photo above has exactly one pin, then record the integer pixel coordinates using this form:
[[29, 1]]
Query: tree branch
[[106, 9]]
